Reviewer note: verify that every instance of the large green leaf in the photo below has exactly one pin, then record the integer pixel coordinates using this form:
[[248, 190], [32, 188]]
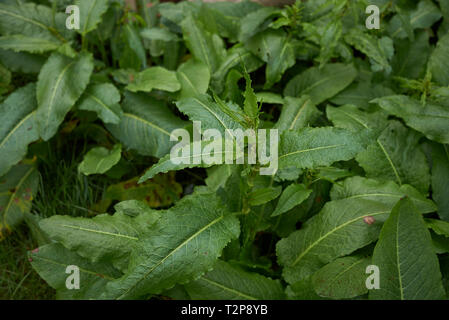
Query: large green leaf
[[321, 84], [430, 119], [104, 238], [155, 78], [275, 48], [228, 282], [313, 147], [407, 262], [184, 244], [343, 278], [20, 43], [103, 99], [396, 156], [18, 127], [17, 190], [204, 46], [146, 125], [387, 192], [51, 262], [337, 230], [61, 82], [99, 160], [440, 179], [297, 113], [90, 14]]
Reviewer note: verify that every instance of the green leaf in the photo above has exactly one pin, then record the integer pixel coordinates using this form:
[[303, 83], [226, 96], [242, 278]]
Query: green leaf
[[235, 57], [343, 278], [329, 39], [386, 192], [155, 78], [103, 99], [439, 61], [312, 147], [250, 103], [302, 290], [158, 34], [321, 84], [379, 51], [408, 265], [184, 244], [202, 108], [292, 196], [18, 127], [192, 160], [99, 160], [337, 230], [351, 118], [33, 21], [19, 43], [275, 48], [424, 16], [146, 125], [194, 78], [103, 238], [269, 97], [440, 227], [61, 82], [17, 190], [396, 156], [204, 46], [21, 61], [128, 49], [263, 195], [430, 119], [91, 12], [411, 57], [229, 282], [51, 262], [361, 93], [255, 22], [297, 113], [440, 179]]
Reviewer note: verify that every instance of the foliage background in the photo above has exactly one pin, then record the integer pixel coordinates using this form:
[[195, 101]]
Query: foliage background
[[363, 116]]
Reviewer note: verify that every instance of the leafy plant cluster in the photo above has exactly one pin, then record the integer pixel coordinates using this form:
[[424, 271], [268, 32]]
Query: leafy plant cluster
[[363, 117]]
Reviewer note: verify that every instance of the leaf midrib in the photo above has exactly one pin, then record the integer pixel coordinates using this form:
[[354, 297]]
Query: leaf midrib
[[99, 232], [332, 231], [17, 127], [228, 289], [172, 252], [312, 149], [130, 115], [18, 186]]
